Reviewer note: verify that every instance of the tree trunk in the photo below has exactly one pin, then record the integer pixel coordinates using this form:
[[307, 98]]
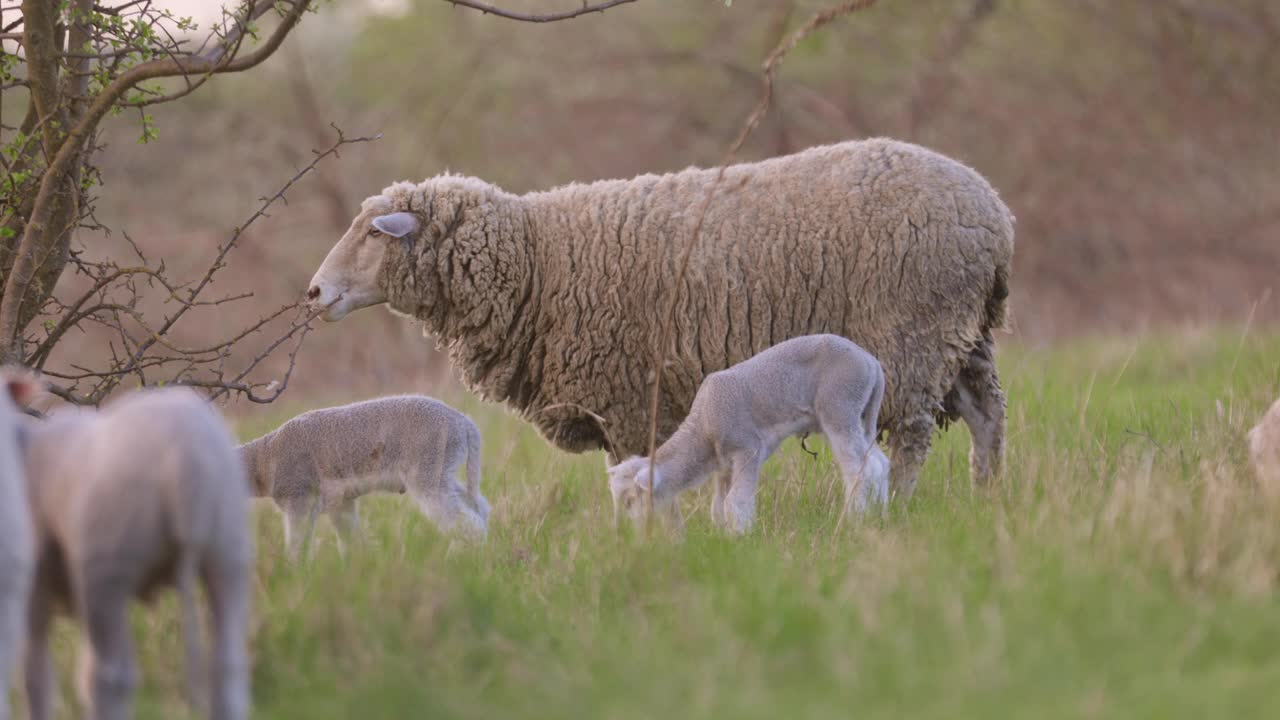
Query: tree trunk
[[57, 100]]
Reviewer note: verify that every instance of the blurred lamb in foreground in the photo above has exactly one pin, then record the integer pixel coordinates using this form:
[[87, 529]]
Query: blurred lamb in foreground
[[323, 460], [1264, 449], [17, 549], [146, 493], [817, 383]]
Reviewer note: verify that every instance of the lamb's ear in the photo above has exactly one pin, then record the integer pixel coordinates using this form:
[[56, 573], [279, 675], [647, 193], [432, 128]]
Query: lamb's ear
[[23, 385], [620, 482], [397, 225], [642, 478]]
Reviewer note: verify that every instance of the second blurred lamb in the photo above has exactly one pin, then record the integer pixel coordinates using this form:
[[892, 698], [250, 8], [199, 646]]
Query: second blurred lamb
[[323, 460]]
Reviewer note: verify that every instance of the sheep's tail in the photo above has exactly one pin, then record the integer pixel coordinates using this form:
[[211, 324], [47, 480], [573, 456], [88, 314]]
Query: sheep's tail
[[473, 460], [997, 309], [871, 413], [194, 663], [260, 483]]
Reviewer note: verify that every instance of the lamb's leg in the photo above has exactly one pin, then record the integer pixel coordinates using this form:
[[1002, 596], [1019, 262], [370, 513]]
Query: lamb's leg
[[449, 509], [109, 670], [910, 443], [722, 481], [228, 586], [13, 620], [740, 501], [462, 515], [981, 403], [346, 521], [299, 524], [465, 522], [857, 469], [878, 469], [39, 666]]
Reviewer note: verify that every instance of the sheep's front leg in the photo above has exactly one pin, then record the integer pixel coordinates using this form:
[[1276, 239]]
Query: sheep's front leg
[[910, 443], [109, 672], [740, 501], [39, 667]]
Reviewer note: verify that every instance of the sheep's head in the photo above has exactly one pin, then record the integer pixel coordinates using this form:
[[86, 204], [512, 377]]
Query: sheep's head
[[348, 279], [628, 483]]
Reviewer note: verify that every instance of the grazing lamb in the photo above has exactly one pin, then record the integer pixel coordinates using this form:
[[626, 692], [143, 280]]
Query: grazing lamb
[[546, 301], [815, 383], [146, 493], [323, 460], [17, 548], [1264, 448]]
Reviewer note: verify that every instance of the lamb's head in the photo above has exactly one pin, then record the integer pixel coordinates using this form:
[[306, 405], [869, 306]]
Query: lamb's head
[[628, 483], [349, 277], [18, 388]]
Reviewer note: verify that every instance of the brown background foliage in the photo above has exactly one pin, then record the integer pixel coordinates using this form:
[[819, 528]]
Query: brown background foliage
[[1136, 142]]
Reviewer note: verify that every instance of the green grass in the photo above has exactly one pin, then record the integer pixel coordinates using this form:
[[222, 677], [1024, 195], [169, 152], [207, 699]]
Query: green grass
[[1127, 568]]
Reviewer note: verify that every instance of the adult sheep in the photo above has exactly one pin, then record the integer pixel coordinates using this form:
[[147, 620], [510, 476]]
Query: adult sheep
[[551, 301]]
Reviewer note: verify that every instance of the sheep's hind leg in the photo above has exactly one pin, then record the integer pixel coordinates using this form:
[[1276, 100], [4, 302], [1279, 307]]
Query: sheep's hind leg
[[227, 584], [39, 665], [467, 519], [740, 501], [723, 480], [299, 524], [981, 403], [910, 443], [857, 468], [346, 521], [450, 510], [13, 621], [108, 673]]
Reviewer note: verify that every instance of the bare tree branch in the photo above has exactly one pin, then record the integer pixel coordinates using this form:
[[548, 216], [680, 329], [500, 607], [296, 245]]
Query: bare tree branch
[[488, 9], [932, 89], [223, 58], [148, 352]]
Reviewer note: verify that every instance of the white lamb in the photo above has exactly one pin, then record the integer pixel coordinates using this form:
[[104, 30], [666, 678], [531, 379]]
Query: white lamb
[[17, 549], [146, 493], [323, 460], [739, 416]]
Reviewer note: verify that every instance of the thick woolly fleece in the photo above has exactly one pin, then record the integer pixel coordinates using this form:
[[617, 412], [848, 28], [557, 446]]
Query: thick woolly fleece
[[552, 301]]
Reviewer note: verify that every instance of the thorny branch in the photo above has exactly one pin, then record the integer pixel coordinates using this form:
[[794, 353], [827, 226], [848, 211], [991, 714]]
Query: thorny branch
[[488, 9], [67, 149], [769, 70], [147, 351]]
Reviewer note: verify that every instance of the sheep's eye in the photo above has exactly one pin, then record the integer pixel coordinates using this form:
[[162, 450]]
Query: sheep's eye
[[374, 232]]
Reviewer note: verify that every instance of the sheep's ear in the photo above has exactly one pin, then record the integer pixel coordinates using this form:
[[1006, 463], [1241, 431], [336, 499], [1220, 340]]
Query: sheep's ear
[[397, 225], [23, 385], [620, 483]]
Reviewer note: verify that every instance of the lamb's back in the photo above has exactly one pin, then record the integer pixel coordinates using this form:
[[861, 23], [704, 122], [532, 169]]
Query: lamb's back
[[368, 436]]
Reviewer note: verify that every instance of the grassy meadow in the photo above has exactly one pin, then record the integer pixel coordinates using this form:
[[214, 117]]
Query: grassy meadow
[[1127, 567]]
